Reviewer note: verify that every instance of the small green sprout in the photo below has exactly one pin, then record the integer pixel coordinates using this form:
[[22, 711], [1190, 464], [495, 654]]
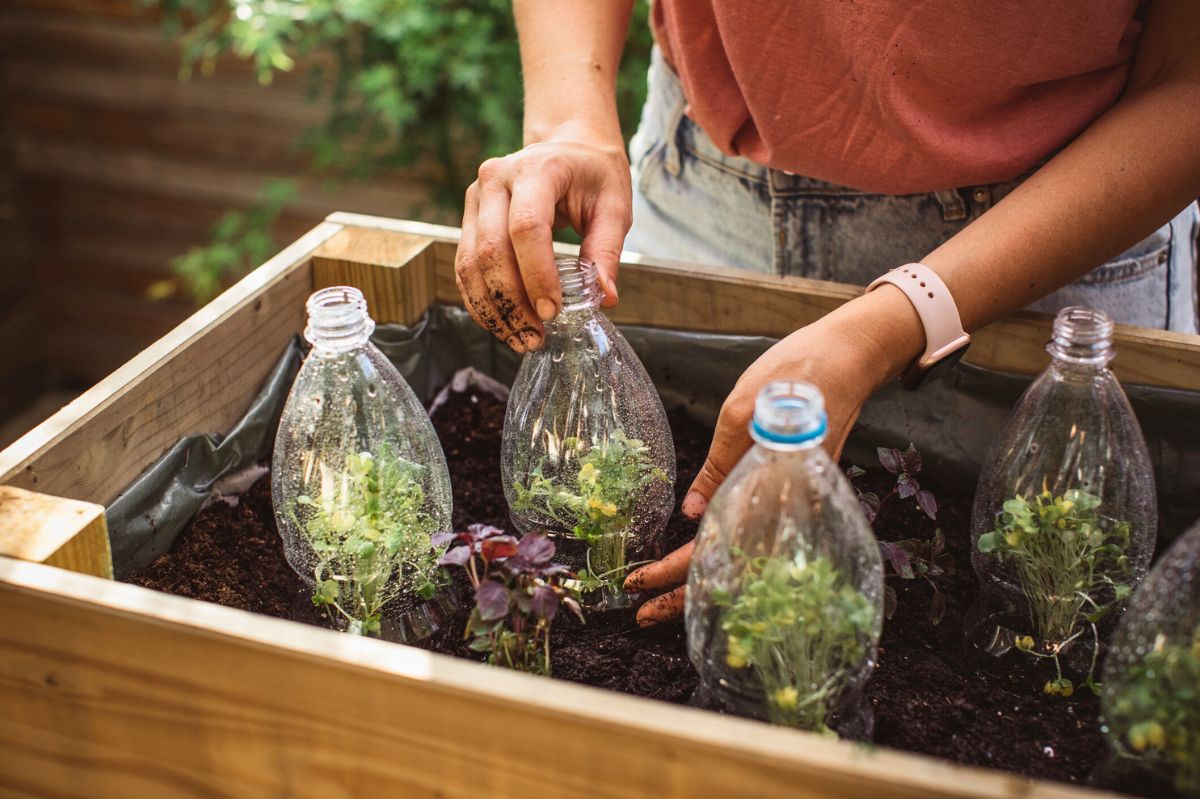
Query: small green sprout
[[802, 630], [1072, 567], [1157, 712], [598, 502], [371, 537]]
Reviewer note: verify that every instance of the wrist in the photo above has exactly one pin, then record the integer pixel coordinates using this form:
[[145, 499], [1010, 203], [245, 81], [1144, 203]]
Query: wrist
[[600, 133], [885, 332]]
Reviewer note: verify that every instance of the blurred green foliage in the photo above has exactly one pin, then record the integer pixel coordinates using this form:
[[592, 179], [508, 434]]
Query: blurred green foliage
[[428, 86]]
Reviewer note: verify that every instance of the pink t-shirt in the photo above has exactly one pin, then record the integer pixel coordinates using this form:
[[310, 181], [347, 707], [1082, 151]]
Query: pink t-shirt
[[898, 96]]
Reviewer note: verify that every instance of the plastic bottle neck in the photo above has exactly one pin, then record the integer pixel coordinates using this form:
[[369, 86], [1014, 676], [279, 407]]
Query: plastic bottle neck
[[580, 287], [338, 320], [1082, 338], [789, 416]]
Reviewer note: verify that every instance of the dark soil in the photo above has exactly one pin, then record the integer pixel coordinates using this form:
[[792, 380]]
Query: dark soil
[[931, 693]]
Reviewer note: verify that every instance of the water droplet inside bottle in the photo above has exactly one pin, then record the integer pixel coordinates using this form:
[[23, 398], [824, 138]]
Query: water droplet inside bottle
[[371, 390], [557, 356]]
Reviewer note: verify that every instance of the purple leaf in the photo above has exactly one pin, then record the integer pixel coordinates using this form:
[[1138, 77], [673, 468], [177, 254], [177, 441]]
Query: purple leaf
[[855, 472], [906, 486], [891, 459], [937, 608], [545, 602], [870, 505], [482, 532], [491, 600], [552, 570], [536, 548], [929, 505], [911, 459], [889, 601], [901, 563], [456, 556], [497, 547], [439, 540]]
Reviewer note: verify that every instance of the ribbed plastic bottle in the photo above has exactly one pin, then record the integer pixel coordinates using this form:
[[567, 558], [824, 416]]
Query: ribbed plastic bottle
[[785, 592], [1151, 697], [587, 452], [359, 481], [1064, 518]]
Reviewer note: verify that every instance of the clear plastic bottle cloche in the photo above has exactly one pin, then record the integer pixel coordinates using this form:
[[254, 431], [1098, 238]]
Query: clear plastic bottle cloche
[[1064, 518], [1150, 701], [359, 482], [587, 452], [784, 600]]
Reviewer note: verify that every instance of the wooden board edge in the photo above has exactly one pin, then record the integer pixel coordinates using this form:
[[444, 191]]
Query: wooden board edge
[[1014, 344], [684, 732], [52, 431], [60, 532]]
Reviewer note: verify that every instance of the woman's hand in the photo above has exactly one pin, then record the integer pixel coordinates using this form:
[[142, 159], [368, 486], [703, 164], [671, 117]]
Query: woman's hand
[[848, 354], [505, 261]]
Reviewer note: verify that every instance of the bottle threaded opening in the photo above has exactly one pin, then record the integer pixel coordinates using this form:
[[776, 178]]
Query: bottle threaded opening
[[338, 319], [789, 413], [1082, 335], [579, 279]]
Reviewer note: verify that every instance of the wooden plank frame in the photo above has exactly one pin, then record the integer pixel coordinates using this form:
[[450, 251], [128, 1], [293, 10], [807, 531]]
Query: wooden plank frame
[[132, 692]]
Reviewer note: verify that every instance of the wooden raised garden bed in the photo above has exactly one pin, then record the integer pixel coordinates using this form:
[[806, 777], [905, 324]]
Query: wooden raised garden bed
[[111, 689]]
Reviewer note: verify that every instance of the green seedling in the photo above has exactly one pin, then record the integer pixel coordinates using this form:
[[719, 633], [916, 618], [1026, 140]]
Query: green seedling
[[597, 504], [1072, 568], [1159, 711], [371, 539], [802, 630]]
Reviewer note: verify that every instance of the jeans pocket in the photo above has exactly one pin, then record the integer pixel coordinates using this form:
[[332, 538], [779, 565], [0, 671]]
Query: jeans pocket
[[1132, 289], [1126, 268]]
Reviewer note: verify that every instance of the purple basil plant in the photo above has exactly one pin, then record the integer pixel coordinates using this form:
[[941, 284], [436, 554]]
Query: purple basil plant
[[518, 592]]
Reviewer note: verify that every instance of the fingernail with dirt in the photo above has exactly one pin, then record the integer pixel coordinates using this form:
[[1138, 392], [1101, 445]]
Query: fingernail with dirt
[[694, 505], [547, 309], [646, 620]]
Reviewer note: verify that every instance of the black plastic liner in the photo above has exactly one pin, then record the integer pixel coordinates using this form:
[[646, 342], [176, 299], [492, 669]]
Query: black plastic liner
[[952, 420]]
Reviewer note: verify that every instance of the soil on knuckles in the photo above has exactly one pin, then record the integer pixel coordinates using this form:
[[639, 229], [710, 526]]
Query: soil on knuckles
[[931, 693]]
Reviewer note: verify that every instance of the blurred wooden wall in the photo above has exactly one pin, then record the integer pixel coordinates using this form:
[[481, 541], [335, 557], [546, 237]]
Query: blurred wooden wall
[[112, 166]]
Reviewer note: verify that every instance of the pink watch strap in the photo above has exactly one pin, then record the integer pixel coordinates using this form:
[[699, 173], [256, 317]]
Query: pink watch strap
[[944, 334]]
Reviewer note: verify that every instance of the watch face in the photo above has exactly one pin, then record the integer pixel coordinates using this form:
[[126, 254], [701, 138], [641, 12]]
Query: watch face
[[916, 374]]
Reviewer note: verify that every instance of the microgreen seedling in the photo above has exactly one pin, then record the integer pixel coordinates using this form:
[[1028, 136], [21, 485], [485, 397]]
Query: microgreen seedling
[[800, 627], [371, 537], [597, 504], [1158, 711], [1072, 567], [518, 591]]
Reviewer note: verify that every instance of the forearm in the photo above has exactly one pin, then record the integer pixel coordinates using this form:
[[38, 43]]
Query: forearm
[[1122, 178], [570, 81], [1125, 176]]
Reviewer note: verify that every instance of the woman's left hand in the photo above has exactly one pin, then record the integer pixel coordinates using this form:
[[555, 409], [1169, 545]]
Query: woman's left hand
[[848, 354]]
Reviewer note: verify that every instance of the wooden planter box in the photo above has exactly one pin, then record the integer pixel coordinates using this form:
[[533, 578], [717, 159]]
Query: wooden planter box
[[114, 690]]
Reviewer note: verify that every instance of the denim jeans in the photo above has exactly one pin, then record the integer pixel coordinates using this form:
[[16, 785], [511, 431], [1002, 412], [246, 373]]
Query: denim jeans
[[691, 202]]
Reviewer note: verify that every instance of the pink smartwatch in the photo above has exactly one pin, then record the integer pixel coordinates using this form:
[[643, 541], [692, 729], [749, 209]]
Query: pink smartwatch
[[945, 339]]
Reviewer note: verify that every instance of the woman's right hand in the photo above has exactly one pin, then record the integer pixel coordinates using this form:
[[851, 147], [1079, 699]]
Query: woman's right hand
[[505, 262]]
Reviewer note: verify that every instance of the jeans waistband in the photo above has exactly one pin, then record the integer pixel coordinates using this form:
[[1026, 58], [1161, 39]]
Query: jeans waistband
[[665, 120]]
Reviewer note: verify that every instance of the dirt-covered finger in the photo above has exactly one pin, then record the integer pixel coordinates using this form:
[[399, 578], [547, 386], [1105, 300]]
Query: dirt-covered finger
[[670, 571], [497, 263], [531, 219], [467, 276], [663, 608]]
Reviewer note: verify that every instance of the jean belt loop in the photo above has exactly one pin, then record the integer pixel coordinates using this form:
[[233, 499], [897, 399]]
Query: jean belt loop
[[954, 208]]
